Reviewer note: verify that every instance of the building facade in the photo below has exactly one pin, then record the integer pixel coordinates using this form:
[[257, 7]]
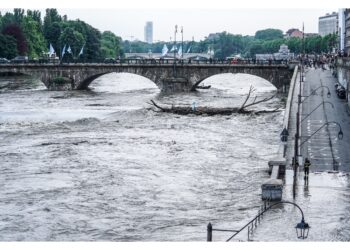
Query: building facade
[[328, 24], [347, 32], [149, 32], [293, 33]]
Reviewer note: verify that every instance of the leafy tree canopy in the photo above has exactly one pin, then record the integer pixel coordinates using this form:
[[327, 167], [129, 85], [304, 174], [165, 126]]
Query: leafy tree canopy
[[269, 34]]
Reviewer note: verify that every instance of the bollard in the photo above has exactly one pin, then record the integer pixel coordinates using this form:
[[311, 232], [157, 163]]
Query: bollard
[[248, 233], [209, 232]]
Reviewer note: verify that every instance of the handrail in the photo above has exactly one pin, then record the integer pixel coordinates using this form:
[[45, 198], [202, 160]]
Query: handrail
[[280, 202], [251, 222]]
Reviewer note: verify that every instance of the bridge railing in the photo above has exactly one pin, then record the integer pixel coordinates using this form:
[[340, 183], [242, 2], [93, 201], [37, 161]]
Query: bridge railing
[[160, 61]]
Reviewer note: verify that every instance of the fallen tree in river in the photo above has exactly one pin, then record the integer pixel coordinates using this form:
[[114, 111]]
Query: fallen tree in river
[[185, 110]]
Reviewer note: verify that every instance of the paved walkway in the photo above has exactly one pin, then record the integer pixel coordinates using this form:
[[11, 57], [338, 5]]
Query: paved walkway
[[325, 197], [324, 149]]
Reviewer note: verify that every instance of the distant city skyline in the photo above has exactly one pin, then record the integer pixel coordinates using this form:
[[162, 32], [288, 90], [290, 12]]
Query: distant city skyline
[[198, 23]]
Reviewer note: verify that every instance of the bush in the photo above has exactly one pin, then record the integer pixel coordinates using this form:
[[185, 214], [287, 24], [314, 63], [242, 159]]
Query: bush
[[61, 80]]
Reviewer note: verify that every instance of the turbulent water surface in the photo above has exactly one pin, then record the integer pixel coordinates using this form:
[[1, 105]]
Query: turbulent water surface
[[100, 164]]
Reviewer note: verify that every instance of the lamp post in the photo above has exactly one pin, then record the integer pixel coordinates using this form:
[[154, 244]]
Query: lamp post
[[175, 50], [296, 140], [182, 43], [284, 138], [296, 136], [302, 228]]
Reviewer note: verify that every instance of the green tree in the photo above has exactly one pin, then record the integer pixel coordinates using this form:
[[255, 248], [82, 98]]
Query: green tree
[[294, 44], [7, 19], [16, 32], [92, 45], [269, 34], [110, 45], [8, 46], [53, 34], [227, 45], [34, 37], [18, 15], [72, 38], [36, 16], [50, 18], [256, 48]]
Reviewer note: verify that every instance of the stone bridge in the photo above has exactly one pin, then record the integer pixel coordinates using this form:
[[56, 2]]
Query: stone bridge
[[185, 77]]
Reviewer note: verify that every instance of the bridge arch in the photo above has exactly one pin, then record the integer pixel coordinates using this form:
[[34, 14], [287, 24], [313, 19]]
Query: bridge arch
[[234, 74], [88, 81], [277, 76]]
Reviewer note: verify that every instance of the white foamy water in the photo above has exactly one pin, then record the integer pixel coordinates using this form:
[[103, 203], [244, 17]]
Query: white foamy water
[[101, 165]]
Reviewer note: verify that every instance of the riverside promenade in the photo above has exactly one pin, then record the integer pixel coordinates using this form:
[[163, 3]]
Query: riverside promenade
[[325, 197]]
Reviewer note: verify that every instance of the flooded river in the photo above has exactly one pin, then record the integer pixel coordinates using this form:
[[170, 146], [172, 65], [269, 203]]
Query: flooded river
[[101, 165]]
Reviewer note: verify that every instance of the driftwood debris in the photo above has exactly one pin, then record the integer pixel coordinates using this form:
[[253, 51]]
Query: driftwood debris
[[186, 110], [203, 87]]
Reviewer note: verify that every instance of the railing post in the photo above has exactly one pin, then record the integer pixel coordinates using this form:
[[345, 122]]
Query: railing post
[[248, 232], [209, 232]]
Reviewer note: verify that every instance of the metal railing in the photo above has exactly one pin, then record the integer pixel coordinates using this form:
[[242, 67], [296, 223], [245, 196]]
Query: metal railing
[[251, 225], [254, 222]]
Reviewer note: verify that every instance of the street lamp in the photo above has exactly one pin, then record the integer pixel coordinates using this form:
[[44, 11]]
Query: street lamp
[[314, 92], [284, 135], [315, 109], [182, 42], [302, 228], [175, 50], [340, 133]]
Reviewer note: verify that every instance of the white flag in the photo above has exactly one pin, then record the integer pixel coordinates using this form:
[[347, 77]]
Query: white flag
[[164, 50], [180, 51], [52, 51], [63, 51], [82, 50]]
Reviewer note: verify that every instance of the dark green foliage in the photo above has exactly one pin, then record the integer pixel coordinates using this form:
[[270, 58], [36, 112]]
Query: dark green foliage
[[8, 47], [61, 80], [16, 32], [52, 35], [110, 45]]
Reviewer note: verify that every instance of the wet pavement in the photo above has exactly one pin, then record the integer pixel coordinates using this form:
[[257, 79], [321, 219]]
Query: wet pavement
[[325, 150]]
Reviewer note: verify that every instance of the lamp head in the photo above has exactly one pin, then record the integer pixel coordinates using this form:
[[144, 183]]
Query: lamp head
[[302, 229], [340, 135]]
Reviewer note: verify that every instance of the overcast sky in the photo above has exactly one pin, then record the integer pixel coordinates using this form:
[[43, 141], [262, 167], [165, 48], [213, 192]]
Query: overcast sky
[[196, 22]]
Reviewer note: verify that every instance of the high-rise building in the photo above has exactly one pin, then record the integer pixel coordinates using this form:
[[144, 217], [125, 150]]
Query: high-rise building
[[328, 24], [347, 32], [149, 32], [344, 30]]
